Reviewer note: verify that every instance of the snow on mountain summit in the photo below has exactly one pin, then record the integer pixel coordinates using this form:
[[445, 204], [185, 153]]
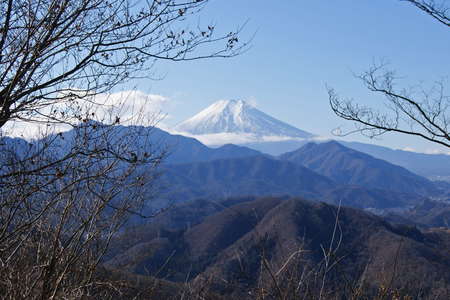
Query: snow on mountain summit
[[238, 117]]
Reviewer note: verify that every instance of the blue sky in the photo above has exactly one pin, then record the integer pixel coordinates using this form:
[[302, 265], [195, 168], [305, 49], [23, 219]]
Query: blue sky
[[299, 47]]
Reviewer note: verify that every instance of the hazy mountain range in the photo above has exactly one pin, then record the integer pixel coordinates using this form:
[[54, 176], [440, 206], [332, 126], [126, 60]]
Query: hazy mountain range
[[240, 123], [239, 218], [327, 172], [348, 166]]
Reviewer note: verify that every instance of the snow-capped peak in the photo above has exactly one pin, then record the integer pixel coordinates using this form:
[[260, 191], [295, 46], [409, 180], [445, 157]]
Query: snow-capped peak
[[237, 116]]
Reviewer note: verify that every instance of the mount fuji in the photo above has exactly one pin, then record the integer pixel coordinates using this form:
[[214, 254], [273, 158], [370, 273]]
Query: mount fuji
[[237, 121]]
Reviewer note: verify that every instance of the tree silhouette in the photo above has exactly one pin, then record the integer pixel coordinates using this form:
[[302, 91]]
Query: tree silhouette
[[64, 196], [416, 111]]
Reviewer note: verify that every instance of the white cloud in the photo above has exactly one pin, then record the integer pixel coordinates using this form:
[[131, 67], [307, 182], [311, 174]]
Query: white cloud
[[427, 151], [29, 130], [252, 101], [436, 151], [132, 107], [410, 149], [218, 139], [318, 138], [128, 107]]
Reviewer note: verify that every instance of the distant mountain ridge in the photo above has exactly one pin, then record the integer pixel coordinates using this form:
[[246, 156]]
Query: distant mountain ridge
[[237, 122], [434, 166], [429, 165], [192, 170], [264, 176], [237, 116], [427, 214], [177, 148], [256, 175], [348, 166], [183, 149]]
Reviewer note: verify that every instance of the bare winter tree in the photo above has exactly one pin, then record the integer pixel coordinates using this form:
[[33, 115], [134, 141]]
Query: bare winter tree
[[65, 195], [420, 112], [57, 223], [54, 51]]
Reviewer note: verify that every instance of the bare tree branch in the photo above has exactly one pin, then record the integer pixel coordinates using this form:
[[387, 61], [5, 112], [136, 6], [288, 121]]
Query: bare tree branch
[[414, 111], [437, 10], [48, 46], [63, 197]]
